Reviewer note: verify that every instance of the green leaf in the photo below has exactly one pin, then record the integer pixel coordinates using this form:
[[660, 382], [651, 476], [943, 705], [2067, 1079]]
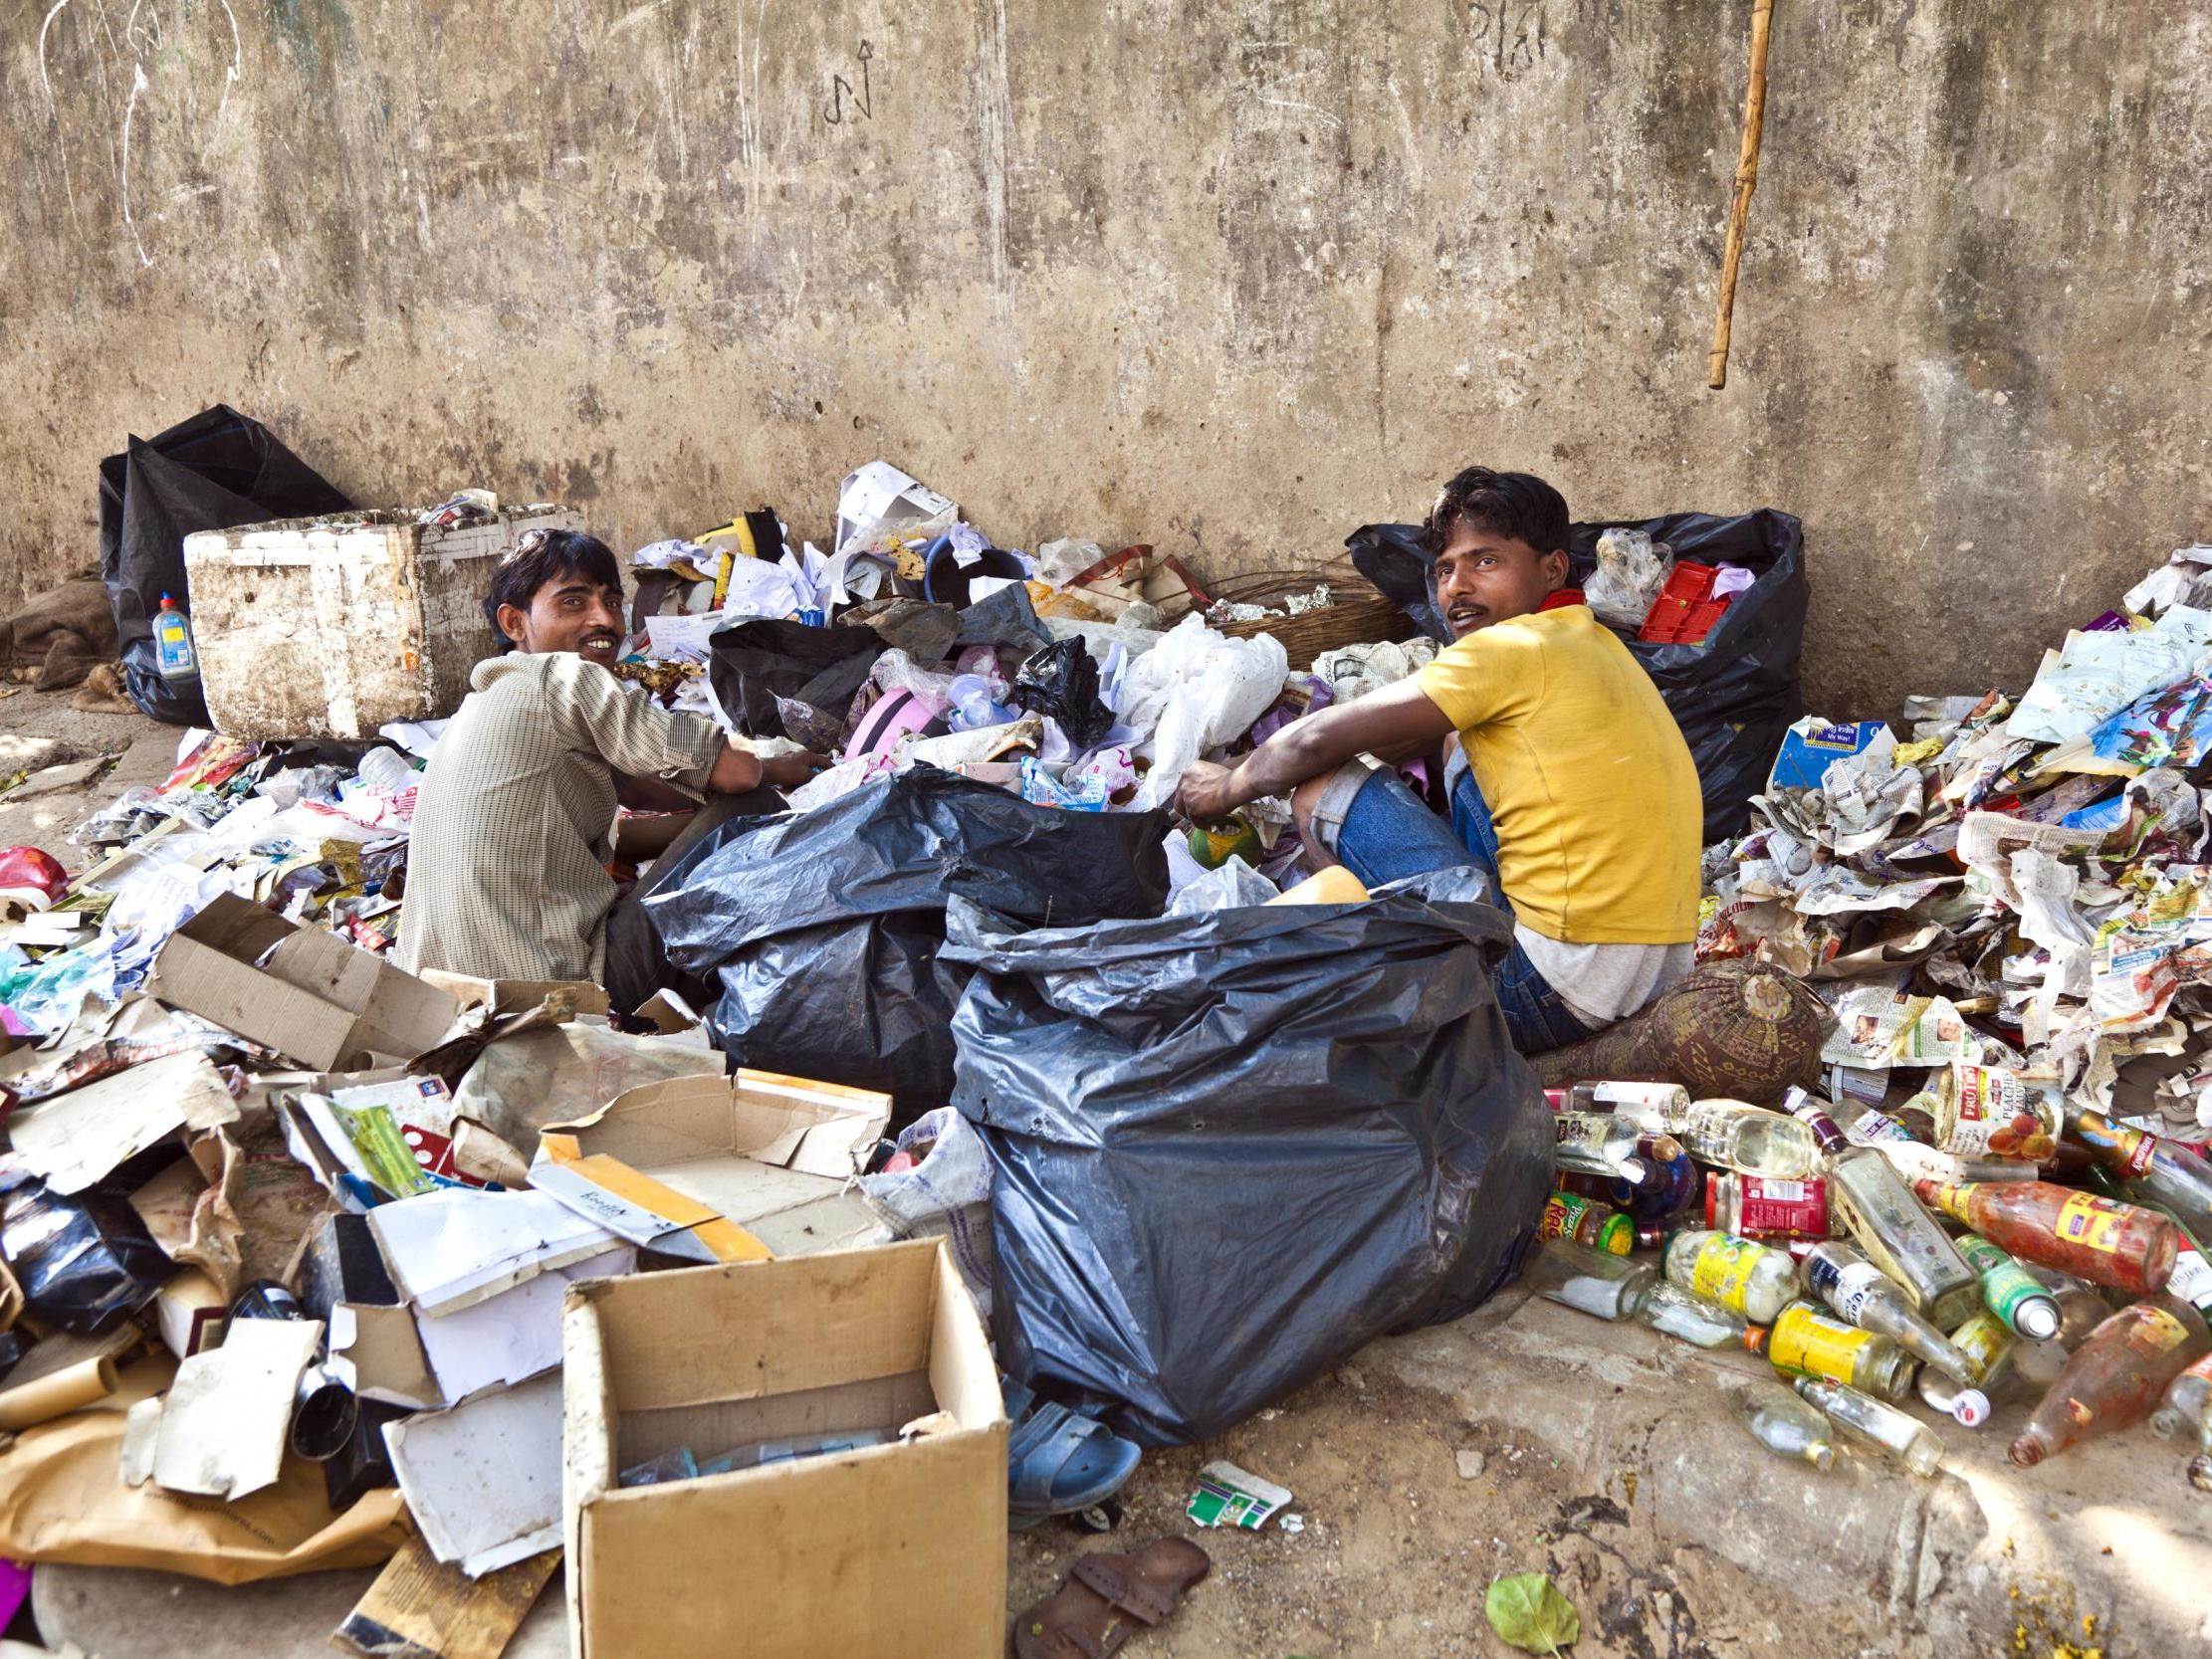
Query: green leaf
[[1528, 1612]]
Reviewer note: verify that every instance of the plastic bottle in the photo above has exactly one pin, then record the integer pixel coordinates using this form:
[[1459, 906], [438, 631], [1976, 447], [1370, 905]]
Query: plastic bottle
[[1767, 1206], [2171, 1176], [172, 643], [1747, 1278], [2116, 1378], [2011, 1292], [1785, 1424], [2103, 1240], [1676, 1313], [972, 707], [1875, 1206], [1859, 1293], [1747, 1139], [1587, 1222], [1804, 1341], [1597, 1281], [2006, 1367], [388, 772], [2188, 1398], [1875, 1423]]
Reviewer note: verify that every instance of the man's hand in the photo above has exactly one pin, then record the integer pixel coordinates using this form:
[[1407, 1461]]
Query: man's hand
[[789, 771], [1205, 796]]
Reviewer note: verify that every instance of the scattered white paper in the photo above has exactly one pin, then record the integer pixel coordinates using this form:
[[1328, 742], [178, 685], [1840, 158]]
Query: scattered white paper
[[457, 1246]]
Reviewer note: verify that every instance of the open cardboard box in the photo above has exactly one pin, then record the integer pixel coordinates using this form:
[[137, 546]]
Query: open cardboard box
[[323, 1003], [772, 1153], [887, 1553]]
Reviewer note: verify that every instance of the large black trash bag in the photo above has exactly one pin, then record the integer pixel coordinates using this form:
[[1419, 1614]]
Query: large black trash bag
[[822, 929], [751, 665], [214, 470], [1230, 1148], [1734, 695]]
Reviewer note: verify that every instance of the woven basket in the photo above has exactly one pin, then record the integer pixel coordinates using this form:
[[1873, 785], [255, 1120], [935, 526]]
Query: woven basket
[[1359, 615]]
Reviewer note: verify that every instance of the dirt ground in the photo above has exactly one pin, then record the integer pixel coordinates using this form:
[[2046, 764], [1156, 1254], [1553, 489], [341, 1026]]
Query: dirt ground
[[1525, 1437]]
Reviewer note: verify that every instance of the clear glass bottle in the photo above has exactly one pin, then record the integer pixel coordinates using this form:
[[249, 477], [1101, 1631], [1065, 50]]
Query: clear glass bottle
[[1743, 1277], [1875, 1423], [2009, 1289], [1768, 1207], [1659, 1107], [1598, 1144], [1749, 1139], [2116, 1378], [1597, 1281], [1878, 1210], [1804, 1341], [2188, 1398], [2007, 1368], [1676, 1313], [1785, 1424], [1861, 1293]]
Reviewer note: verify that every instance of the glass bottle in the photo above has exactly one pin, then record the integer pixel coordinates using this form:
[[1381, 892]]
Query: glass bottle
[[1659, 1107], [1747, 1278], [1785, 1424], [1597, 1143], [2103, 1240], [1877, 1423], [1748, 1139], [2116, 1378], [1676, 1313], [2191, 1279], [2149, 1167], [1586, 1221], [2188, 1398], [1861, 1293], [1597, 1281], [2006, 1368], [2009, 1289], [1767, 1206], [1877, 1210], [1804, 1341]]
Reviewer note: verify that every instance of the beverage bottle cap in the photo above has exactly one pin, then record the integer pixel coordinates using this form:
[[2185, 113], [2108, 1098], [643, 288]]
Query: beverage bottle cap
[[1617, 1235], [1971, 1408]]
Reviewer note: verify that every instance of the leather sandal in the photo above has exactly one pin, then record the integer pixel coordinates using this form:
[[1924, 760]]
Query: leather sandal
[[1109, 1597]]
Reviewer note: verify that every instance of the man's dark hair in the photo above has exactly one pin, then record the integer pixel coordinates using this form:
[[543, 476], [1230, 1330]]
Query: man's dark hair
[[543, 556], [1519, 505]]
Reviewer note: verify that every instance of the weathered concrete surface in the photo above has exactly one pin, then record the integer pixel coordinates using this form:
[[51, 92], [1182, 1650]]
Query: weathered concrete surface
[[1231, 277]]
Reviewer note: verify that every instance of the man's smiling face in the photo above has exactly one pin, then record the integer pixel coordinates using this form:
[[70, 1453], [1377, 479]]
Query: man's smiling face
[[570, 612], [1483, 577]]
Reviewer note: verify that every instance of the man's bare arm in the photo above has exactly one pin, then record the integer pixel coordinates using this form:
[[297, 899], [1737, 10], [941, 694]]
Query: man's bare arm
[[1396, 722]]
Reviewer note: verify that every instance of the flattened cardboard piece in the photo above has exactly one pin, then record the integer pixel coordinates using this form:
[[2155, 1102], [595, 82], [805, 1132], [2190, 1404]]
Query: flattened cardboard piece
[[319, 1000], [506, 998], [224, 1421], [483, 1480], [719, 1359], [73, 1139], [650, 1214], [770, 1154], [668, 1014], [457, 1246], [512, 1336], [379, 1351], [422, 1608], [61, 1501]]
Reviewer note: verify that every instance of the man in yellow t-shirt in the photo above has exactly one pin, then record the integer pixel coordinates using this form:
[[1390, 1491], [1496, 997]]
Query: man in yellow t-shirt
[[1573, 789]]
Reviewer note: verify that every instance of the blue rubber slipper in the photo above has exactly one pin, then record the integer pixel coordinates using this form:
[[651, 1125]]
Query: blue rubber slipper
[[1059, 1462]]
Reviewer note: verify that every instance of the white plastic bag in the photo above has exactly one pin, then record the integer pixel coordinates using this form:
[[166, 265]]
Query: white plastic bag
[[946, 1195], [1196, 691]]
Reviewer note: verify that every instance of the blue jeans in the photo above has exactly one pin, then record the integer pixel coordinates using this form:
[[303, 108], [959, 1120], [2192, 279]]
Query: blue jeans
[[1388, 832]]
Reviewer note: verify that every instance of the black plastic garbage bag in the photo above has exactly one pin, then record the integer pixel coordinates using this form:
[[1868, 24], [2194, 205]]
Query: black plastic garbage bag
[[1005, 618], [216, 470], [1733, 695], [1062, 681], [82, 1262], [752, 663], [822, 929], [1230, 1148]]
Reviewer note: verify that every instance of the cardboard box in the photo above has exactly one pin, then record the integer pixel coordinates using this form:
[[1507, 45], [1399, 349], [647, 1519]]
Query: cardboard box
[[319, 1000], [887, 1553], [770, 1154]]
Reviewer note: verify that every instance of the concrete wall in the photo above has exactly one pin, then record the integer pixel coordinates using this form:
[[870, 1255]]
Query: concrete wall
[[1233, 277]]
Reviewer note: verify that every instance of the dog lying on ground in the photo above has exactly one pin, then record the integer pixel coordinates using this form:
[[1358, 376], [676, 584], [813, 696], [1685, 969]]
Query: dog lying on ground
[[57, 638]]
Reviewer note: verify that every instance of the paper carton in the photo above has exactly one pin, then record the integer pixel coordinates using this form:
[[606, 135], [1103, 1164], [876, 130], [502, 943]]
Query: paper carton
[[770, 1154], [884, 1552], [319, 1000]]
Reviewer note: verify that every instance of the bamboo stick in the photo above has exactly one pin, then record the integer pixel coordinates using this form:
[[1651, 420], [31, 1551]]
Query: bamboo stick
[[1747, 180]]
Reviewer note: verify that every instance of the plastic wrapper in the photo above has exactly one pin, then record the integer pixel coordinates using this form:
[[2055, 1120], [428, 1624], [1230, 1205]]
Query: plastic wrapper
[[1630, 570], [1040, 789], [946, 1195], [1229, 1150], [752, 663], [1197, 691], [1733, 695], [1061, 682], [822, 927], [82, 1262]]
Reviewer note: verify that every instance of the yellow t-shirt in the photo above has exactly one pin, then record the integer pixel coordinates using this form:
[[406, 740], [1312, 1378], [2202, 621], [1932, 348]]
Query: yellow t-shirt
[[1590, 785]]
